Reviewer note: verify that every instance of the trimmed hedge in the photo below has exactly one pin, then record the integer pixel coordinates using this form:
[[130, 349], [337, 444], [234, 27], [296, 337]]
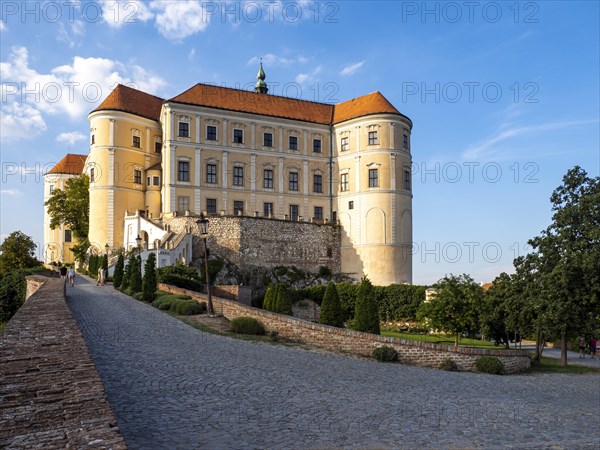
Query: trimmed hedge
[[449, 365], [181, 276], [179, 304], [385, 354], [247, 325], [489, 364]]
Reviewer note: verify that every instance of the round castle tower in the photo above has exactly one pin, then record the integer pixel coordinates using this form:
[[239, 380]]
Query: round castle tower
[[124, 163]]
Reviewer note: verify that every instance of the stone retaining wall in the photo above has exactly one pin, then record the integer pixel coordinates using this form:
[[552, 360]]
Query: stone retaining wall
[[51, 395], [361, 344]]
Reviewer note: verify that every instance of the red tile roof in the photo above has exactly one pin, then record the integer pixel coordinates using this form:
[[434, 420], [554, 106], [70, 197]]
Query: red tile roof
[[126, 99], [71, 164]]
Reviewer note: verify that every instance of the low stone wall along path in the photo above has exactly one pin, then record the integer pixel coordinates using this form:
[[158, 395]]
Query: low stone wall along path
[[174, 387]]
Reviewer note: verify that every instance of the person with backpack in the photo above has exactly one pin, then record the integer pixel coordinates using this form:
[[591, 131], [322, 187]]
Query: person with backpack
[[581, 347], [71, 276]]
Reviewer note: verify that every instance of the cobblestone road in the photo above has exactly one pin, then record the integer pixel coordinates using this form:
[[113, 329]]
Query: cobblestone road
[[173, 387]]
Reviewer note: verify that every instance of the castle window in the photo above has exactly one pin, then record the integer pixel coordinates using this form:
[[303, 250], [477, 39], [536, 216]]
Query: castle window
[[293, 143], [51, 188], [157, 147], [407, 180], [147, 181], [344, 144], [91, 175], [156, 181], [68, 237], [344, 182], [183, 172], [137, 143], [317, 145], [211, 173], [318, 183], [373, 138], [137, 176], [238, 176], [268, 209], [238, 136], [293, 181], [268, 140], [211, 205], [373, 177], [93, 139], [238, 208], [183, 204], [184, 129], [319, 212], [406, 141], [294, 213], [351, 204], [268, 179], [211, 133]]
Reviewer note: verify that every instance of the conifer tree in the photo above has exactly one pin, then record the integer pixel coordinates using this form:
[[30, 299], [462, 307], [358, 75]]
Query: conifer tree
[[135, 282], [268, 301], [149, 281], [331, 310], [119, 267], [366, 314]]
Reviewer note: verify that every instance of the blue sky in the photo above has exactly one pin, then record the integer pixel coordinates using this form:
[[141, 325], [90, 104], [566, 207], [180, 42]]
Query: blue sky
[[504, 96]]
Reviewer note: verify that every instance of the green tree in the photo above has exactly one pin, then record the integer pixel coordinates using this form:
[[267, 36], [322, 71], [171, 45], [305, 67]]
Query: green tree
[[12, 293], [268, 300], [127, 273], [93, 266], [135, 282], [496, 309], [282, 302], [331, 310], [366, 312], [70, 207], [569, 254], [456, 306], [149, 282], [17, 252], [118, 274]]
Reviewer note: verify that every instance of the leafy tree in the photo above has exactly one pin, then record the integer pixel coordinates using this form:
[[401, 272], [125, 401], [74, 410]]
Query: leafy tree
[[331, 310], [456, 306], [149, 282], [135, 281], [12, 293], [17, 252], [118, 274], [366, 313], [71, 207], [569, 258], [496, 309]]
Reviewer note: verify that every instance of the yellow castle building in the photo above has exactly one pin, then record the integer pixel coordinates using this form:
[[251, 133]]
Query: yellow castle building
[[222, 151]]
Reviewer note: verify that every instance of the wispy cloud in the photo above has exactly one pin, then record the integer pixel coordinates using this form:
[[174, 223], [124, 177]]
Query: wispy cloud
[[11, 192], [304, 77], [272, 60], [351, 68], [3, 26], [488, 147], [71, 137], [192, 54]]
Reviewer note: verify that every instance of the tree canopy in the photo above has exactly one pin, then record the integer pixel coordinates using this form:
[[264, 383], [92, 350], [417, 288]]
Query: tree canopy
[[18, 251]]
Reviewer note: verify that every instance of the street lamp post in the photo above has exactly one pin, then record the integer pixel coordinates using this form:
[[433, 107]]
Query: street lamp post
[[106, 247], [138, 241], [203, 225]]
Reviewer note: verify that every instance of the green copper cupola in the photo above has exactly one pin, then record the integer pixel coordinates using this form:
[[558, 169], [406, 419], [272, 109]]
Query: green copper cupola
[[261, 86]]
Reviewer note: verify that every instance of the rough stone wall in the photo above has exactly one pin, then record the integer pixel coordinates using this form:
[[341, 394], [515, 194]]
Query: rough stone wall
[[34, 282], [51, 393], [252, 241], [362, 344]]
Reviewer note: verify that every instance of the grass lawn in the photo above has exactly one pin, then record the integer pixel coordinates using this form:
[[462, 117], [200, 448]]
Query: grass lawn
[[443, 339], [552, 365]]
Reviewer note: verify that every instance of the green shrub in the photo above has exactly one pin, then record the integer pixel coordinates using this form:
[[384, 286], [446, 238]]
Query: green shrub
[[281, 271], [314, 293], [283, 303], [385, 353], [366, 315], [331, 310], [149, 280], [129, 291], [324, 272], [181, 276], [268, 300], [138, 296], [165, 305], [449, 365], [489, 364], [188, 308], [119, 268], [247, 325]]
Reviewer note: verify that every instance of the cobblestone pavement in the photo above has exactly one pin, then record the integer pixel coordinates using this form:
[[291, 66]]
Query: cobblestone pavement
[[174, 387]]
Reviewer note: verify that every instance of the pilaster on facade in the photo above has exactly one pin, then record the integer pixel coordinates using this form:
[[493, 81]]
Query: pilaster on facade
[[280, 172], [172, 134], [111, 137], [357, 169], [392, 135], [198, 129], [357, 137], [225, 169], [225, 140], [253, 143], [197, 190], [305, 143]]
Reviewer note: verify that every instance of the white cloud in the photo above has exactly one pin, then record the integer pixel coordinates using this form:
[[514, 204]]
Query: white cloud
[[3, 26], [489, 147], [117, 13], [176, 20], [71, 89], [192, 54], [12, 193], [351, 68], [71, 137], [271, 60], [73, 36], [303, 77]]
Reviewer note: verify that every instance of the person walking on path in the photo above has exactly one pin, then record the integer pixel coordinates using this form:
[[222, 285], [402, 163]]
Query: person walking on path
[[72, 276], [63, 272], [593, 344], [581, 347], [100, 280]]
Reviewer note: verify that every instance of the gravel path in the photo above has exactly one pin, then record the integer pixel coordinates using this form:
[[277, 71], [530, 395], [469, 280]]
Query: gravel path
[[174, 387]]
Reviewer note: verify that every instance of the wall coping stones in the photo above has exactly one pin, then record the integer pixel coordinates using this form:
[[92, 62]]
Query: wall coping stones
[[51, 395]]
